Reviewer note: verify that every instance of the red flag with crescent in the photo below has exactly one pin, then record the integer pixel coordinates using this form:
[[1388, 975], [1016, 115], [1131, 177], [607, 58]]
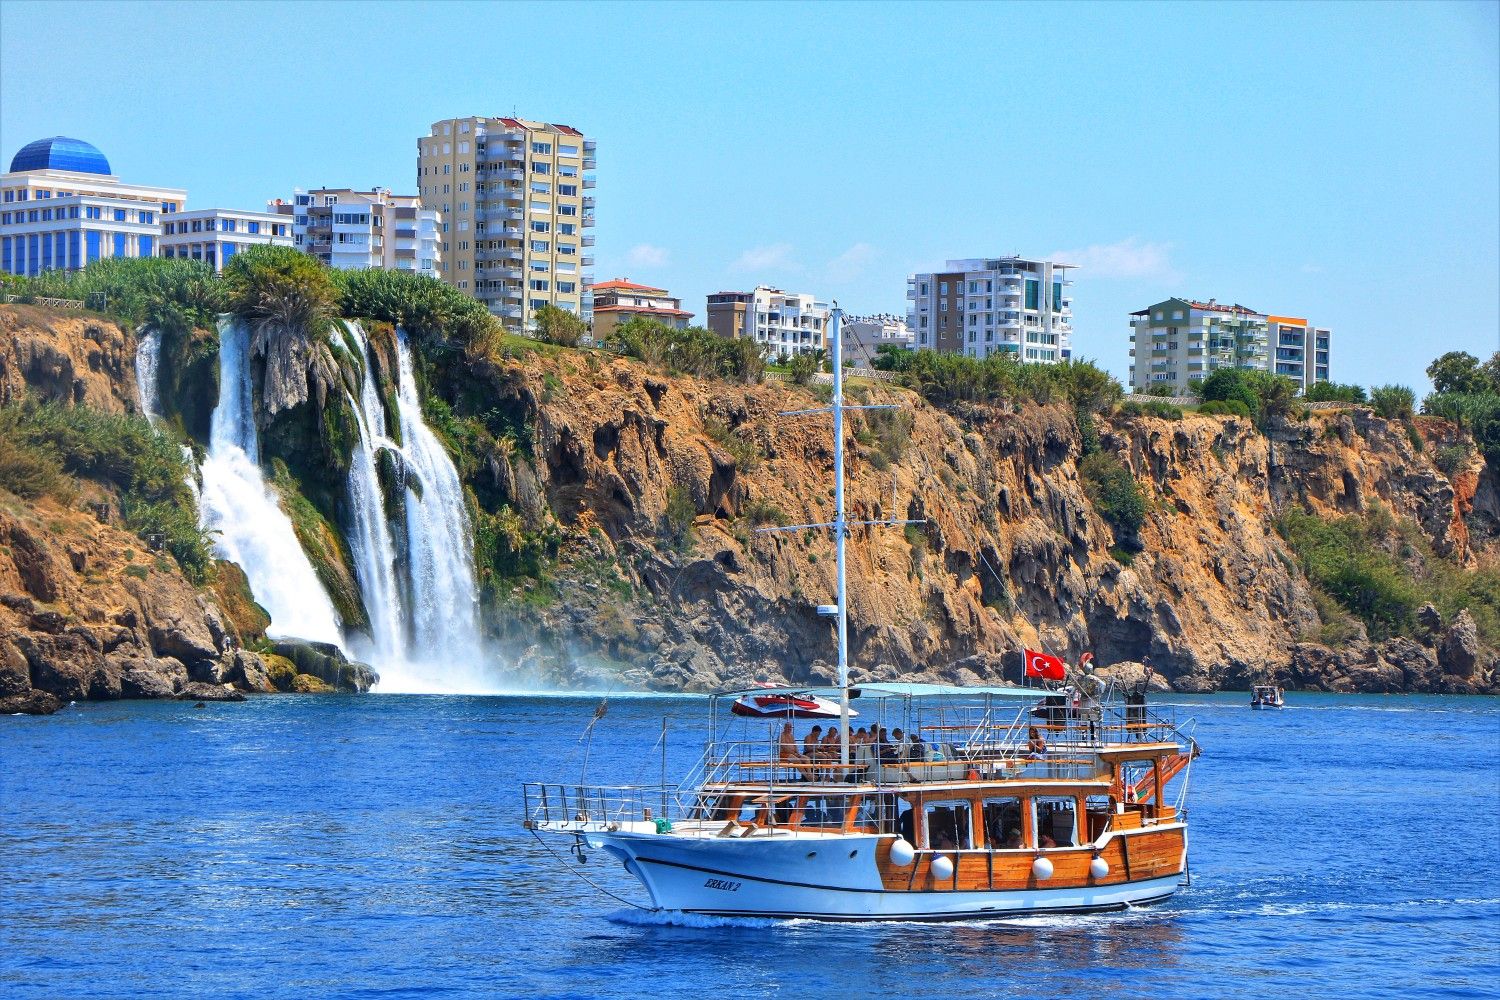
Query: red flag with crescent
[[1042, 665]]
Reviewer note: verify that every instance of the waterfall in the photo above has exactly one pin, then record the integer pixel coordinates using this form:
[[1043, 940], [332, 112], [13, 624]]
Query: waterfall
[[447, 650], [237, 504], [370, 541], [147, 362]]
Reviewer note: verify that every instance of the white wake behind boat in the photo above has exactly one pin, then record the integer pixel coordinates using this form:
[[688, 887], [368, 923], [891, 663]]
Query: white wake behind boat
[[952, 802]]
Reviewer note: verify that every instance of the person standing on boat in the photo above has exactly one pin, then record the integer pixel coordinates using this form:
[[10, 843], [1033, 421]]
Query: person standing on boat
[[1090, 689]]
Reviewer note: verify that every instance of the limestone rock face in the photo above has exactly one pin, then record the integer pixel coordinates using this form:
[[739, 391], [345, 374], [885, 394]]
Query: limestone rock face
[[1459, 652], [1011, 553], [86, 612], [63, 358]]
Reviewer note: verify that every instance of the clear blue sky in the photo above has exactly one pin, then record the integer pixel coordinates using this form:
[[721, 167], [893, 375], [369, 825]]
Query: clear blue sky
[[1340, 162]]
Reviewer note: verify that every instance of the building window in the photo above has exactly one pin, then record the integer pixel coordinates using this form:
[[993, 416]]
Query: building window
[[541, 147], [541, 168], [565, 150], [567, 189]]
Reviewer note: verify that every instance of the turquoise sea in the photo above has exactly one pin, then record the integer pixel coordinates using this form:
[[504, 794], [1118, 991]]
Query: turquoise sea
[[371, 846]]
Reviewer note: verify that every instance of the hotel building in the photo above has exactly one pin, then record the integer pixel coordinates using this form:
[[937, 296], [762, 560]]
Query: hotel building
[[214, 235], [982, 306], [364, 230], [863, 336], [785, 323], [61, 208], [1176, 341], [516, 210], [618, 300]]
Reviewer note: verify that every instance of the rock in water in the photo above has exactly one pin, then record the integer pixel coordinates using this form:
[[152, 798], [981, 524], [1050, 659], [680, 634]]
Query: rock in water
[[30, 703], [1458, 652], [327, 663]]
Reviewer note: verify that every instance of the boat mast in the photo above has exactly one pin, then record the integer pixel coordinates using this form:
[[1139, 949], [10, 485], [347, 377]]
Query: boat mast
[[840, 528]]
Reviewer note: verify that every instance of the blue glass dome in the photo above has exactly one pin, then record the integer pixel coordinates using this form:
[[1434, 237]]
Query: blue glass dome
[[60, 153]]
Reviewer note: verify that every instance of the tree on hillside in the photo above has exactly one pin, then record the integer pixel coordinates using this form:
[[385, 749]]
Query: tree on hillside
[[1227, 385], [280, 285], [1334, 392], [1394, 402], [558, 326], [1459, 371]]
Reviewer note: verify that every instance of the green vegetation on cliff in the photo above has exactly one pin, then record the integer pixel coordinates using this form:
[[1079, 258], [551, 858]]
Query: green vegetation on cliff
[[41, 444], [1468, 393], [689, 351], [1381, 570]]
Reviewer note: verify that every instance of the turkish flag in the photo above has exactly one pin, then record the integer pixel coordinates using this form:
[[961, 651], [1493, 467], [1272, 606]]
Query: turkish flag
[[1042, 665]]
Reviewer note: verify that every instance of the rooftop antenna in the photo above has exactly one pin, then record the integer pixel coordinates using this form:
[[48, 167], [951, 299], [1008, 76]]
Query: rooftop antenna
[[839, 525]]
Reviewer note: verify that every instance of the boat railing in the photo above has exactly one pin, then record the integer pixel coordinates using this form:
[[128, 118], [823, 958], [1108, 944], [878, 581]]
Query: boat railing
[[558, 805], [763, 763]]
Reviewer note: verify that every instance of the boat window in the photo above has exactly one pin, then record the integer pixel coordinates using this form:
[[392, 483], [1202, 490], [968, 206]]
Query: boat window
[[753, 810], [1002, 824], [1057, 822], [905, 821], [824, 811], [1134, 774], [1096, 808], [948, 826]]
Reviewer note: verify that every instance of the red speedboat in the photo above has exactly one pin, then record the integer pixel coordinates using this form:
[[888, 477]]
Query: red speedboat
[[784, 705]]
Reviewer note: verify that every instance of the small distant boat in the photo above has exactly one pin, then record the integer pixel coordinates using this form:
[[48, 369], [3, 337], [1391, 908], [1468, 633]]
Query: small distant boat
[[1267, 696], [800, 705]]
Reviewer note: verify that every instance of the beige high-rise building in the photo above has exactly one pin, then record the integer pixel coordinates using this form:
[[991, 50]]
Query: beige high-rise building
[[516, 210]]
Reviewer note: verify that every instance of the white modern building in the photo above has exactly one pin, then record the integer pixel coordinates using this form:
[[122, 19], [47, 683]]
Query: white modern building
[[785, 323], [61, 208], [363, 230], [991, 305], [213, 235], [864, 336], [1178, 341]]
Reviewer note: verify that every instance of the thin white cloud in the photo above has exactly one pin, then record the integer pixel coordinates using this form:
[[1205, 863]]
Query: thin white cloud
[[851, 263], [646, 255], [772, 256], [1129, 258]]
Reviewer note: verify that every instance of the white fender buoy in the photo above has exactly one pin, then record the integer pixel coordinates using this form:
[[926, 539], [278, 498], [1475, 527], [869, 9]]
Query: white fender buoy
[[942, 868], [1041, 868], [1098, 867], [902, 853]]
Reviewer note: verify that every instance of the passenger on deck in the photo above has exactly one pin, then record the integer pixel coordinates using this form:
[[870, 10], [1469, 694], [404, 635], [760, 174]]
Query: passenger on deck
[[811, 744], [1036, 747], [898, 740], [1012, 839], [788, 747], [1046, 841]]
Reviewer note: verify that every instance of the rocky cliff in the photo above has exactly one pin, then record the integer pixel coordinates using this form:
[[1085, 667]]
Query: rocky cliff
[[1012, 552], [621, 514]]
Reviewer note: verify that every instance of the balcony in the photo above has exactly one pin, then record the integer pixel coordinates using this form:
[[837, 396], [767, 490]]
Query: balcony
[[587, 241], [588, 202], [509, 174], [507, 271], [588, 218], [510, 312], [406, 234], [589, 182], [498, 214], [586, 261], [510, 232]]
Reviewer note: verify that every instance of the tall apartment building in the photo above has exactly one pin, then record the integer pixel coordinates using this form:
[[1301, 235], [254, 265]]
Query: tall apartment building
[[516, 212], [989, 305], [61, 208], [364, 230], [213, 235], [785, 323], [1178, 340]]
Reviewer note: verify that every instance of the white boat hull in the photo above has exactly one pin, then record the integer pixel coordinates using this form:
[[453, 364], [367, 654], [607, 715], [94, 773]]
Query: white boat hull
[[834, 878]]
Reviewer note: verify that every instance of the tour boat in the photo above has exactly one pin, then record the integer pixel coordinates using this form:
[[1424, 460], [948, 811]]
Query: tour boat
[[963, 803], [764, 704], [1267, 696]]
